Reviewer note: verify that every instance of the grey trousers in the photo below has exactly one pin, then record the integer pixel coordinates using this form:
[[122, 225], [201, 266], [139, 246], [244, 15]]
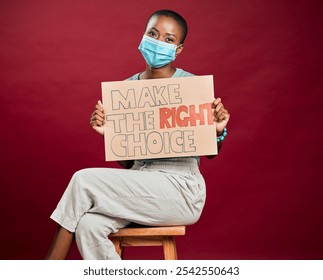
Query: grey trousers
[[99, 201]]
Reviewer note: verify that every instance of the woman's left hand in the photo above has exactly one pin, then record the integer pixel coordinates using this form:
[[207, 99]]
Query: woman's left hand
[[221, 115]]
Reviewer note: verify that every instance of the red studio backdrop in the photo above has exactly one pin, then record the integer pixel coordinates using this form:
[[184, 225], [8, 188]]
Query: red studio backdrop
[[264, 190]]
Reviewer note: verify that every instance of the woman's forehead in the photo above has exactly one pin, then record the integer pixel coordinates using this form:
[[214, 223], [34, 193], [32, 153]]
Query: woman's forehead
[[164, 24]]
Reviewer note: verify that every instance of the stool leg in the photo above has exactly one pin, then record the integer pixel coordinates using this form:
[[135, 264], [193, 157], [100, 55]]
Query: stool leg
[[169, 248], [117, 242]]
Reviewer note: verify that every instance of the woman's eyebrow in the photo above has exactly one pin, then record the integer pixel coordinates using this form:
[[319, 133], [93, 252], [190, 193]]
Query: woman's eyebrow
[[170, 34], [154, 29]]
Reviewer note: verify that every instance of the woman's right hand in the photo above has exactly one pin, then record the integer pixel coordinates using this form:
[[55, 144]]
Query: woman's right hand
[[97, 118]]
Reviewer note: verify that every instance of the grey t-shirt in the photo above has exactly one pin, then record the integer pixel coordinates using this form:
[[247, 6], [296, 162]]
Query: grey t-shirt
[[178, 73]]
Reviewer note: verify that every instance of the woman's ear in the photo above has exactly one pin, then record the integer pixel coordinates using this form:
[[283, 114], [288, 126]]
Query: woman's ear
[[179, 49]]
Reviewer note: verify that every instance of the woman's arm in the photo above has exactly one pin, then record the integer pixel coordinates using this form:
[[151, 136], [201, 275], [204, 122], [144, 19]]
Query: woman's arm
[[221, 118], [97, 118], [97, 123]]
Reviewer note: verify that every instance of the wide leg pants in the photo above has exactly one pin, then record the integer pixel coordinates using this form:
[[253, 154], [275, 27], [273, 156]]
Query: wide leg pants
[[99, 201]]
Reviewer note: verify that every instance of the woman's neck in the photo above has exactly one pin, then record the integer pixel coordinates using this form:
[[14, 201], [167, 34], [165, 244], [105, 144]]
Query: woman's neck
[[158, 73]]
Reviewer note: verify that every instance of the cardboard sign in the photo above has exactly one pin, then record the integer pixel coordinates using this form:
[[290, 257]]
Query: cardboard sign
[[159, 118]]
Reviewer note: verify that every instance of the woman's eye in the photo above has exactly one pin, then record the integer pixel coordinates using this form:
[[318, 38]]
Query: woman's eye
[[169, 40], [152, 33]]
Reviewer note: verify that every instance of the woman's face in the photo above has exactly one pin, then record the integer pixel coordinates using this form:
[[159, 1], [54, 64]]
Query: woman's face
[[165, 29]]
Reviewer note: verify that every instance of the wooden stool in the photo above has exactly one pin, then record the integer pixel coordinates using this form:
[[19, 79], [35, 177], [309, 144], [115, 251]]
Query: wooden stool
[[148, 236]]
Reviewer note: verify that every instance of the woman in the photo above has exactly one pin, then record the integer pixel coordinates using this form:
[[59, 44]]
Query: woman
[[154, 192]]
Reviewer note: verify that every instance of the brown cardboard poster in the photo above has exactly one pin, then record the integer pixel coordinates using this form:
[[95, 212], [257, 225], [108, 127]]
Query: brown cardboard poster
[[159, 118]]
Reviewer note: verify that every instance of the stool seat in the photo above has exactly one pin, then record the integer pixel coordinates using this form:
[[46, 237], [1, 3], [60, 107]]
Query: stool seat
[[137, 235]]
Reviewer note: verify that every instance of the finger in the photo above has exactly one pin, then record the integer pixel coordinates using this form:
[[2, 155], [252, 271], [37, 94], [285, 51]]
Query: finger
[[218, 107], [224, 117], [94, 123], [216, 118], [218, 113], [98, 113], [98, 107], [97, 118], [216, 102]]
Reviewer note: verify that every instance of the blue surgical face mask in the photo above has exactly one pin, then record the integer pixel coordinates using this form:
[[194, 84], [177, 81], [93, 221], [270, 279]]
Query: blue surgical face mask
[[157, 53]]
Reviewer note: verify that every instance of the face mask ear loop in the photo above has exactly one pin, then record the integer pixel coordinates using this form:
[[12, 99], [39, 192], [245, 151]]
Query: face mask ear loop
[[180, 45]]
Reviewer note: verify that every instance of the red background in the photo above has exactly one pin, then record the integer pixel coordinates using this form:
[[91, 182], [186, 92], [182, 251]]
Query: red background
[[264, 189]]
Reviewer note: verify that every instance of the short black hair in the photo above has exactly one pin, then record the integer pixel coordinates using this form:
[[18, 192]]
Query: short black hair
[[177, 17]]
